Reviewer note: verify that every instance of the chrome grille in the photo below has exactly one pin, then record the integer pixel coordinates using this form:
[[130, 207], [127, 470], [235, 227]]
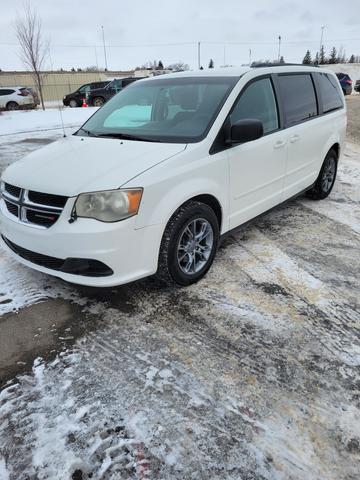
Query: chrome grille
[[13, 191], [32, 208]]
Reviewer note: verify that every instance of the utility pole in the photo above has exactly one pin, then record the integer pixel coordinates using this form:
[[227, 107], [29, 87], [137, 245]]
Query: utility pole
[[249, 57], [103, 37], [199, 62], [96, 59], [224, 55], [279, 48]]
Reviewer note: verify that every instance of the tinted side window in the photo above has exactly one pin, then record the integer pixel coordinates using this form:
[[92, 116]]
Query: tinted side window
[[115, 84], [98, 85], [298, 96], [128, 81], [258, 102], [330, 92], [84, 89], [6, 92]]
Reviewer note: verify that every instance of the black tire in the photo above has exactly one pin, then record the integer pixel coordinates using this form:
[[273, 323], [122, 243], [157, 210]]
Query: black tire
[[12, 106], [170, 270], [98, 102], [73, 103], [326, 179]]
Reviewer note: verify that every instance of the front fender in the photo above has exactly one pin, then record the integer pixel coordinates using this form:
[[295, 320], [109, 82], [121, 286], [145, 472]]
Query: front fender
[[153, 212]]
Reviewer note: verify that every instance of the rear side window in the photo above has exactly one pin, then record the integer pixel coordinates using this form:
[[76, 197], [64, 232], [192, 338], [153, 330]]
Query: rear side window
[[330, 92], [258, 102], [6, 91], [298, 96], [98, 85]]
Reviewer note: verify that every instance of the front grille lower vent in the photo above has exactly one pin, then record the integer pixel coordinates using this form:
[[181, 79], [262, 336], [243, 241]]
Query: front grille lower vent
[[75, 266], [33, 208]]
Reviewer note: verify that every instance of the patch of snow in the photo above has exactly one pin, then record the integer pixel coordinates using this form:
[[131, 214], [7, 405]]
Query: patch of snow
[[21, 286], [35, 120], [4, 474]]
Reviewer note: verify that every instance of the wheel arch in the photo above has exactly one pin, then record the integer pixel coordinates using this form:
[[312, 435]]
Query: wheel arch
[[212, 202], [11, 101], [336, 148]]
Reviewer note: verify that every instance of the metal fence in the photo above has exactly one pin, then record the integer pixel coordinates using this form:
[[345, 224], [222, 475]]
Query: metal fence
[[57, 84]]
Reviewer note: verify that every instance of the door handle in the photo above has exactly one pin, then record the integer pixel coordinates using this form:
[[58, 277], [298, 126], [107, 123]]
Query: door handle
[[294, 138], [279, 144]]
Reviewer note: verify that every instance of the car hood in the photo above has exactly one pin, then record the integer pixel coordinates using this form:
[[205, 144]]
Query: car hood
[[84, 164]]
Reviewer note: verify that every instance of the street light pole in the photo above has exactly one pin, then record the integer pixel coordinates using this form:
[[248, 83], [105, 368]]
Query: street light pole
[[103, 37]]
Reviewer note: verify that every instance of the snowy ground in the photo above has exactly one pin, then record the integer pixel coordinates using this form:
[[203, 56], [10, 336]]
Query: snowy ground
[[253, 373], [37, 120]]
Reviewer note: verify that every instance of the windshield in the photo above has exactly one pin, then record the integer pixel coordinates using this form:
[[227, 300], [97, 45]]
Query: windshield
[[178, 110]]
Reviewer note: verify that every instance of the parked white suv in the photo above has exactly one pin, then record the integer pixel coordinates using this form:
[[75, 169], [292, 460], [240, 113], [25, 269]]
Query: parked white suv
[[13, 98], [155, 177]]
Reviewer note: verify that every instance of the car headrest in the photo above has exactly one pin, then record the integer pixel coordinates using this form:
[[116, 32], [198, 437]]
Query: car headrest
[[186, 96]]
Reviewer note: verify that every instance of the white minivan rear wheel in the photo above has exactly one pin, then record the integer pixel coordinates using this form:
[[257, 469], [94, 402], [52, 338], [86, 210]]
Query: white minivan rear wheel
[[326, 179]]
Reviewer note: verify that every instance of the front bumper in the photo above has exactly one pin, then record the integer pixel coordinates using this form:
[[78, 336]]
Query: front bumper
[[129, 252]]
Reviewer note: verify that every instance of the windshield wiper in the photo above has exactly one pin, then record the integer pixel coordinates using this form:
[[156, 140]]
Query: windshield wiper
[[127, 136], [88, 132]]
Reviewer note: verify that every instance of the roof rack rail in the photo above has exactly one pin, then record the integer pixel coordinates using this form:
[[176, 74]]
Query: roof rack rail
[[258, 65]]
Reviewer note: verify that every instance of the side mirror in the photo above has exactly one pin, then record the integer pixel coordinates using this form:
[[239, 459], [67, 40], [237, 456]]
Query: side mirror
[[245, 131]]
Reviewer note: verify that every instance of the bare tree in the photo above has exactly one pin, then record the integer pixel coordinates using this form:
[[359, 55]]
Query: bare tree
[[178, 66], [33, 47]]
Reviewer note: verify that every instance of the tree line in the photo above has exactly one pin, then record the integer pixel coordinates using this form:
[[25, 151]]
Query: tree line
[[334, 57]]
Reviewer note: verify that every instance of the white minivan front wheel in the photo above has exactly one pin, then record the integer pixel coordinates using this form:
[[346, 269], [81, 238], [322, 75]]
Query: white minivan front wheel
[[189, 244]]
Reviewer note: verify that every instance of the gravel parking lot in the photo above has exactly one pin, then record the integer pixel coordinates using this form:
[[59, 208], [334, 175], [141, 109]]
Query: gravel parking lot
[[253, 373]]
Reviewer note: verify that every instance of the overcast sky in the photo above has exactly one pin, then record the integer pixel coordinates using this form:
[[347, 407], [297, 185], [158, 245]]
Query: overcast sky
[[137, 31]]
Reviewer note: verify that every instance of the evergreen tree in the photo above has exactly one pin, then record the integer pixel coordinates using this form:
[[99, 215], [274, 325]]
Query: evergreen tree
[[333, 56], [281, 59], [316, 59], [307, 59], [160, 65], [352, 59], [211, 63]]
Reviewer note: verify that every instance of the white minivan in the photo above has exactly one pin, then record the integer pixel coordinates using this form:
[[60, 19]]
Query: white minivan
[[154, 178]]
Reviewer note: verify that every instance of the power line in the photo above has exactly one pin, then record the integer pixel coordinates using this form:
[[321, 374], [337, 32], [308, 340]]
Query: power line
[[176, 44]]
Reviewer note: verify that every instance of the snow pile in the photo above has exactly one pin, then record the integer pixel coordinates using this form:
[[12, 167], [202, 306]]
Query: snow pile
[[35, 120]]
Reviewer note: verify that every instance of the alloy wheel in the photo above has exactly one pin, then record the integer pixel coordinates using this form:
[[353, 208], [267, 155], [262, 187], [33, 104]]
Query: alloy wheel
[[329, 173], [195, 246]]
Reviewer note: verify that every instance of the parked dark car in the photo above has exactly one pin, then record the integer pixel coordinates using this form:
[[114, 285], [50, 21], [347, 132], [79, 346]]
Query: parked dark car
[[345, 82], [98, 97], [75, 99], [357, 86]]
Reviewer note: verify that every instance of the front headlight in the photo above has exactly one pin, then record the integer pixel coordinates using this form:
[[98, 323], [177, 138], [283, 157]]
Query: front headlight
[[108, 206]]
